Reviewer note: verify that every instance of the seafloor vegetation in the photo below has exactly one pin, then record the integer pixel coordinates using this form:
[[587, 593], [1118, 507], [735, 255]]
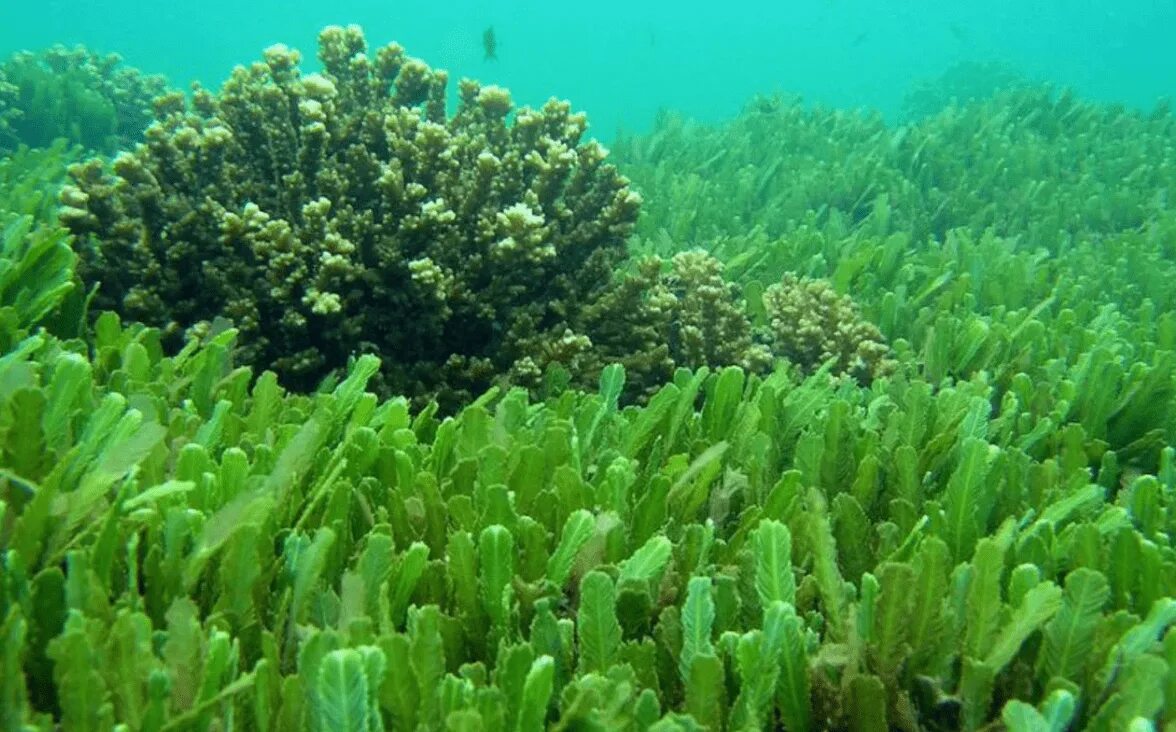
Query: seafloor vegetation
[[296, 428], [76, 95]]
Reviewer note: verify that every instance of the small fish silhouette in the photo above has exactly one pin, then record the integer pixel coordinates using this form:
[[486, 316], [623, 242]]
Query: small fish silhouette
[[490, 44]]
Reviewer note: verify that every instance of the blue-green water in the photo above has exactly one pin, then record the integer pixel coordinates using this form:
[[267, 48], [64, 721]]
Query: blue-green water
[[622, 61]]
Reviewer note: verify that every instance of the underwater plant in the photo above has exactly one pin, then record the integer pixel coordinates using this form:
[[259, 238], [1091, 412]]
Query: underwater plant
[[86, 98], [1030, 161], [31, 180], [183, 542], [344, 212], [811, 324], [1024, 240], [36, 259]]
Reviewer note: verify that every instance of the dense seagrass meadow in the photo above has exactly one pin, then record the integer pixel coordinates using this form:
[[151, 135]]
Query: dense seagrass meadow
[[362, 399]]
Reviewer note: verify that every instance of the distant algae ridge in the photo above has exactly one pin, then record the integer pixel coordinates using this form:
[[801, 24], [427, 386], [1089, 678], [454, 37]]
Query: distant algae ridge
[[87, 98], [332, 214]]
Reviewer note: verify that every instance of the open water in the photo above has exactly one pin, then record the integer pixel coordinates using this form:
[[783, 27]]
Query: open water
[[621, 60]]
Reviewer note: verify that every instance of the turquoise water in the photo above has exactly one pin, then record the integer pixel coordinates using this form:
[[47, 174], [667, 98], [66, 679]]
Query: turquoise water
[[622, 61]]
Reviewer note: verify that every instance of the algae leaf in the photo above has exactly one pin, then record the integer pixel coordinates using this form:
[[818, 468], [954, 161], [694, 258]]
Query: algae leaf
[[865, 704], [1069, 636], [704, 690], [577, 531], [1054, 716], [984, 597], [650, 423], [374, 568], [245, 509], [774, 580], [342, 692], [794, 691], [427, 657], [295, 460], [76, 666], [830, 583], [1038, 606], [536, 694], [158, 492], [72, 381], [596, 624], [892, 619], [496, 559], [308, 568], [412, 565], [647, 562], [1137, 641], [13, 687], [36, 269], [968, 498], [698, 617], [129, 444], [758, 656], [1138, 698], [612, 384], [351, 390]]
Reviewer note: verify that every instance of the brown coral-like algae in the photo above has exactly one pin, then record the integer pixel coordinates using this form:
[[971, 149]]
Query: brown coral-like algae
[[684, 313], [810, 324], [658, 318], [328, 214], [712, 327]]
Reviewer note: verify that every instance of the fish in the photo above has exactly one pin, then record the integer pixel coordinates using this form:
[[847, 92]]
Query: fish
[[490, 44]]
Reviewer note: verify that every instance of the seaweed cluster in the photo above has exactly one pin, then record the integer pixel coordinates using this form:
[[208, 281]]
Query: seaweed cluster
[[1030, 161], [811, 324], [999, 240], [964, 83], [89, 99], [332, 214], [37, 260], [344, 212], [683, 313]]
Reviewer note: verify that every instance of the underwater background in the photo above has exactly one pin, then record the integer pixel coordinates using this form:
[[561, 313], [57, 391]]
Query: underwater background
[[622, 61], [362, 388]]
